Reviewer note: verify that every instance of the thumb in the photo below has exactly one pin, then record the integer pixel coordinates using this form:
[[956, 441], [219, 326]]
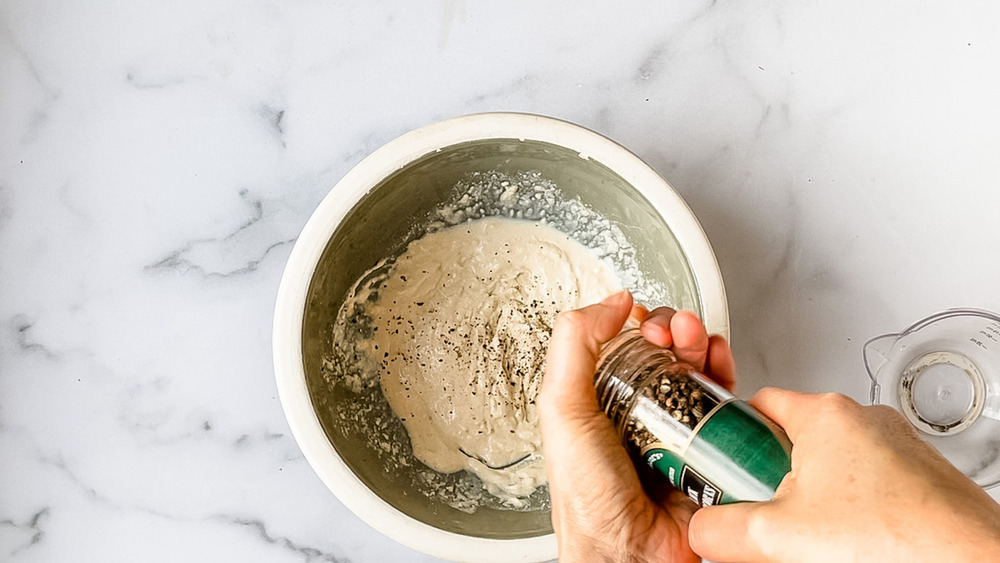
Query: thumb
[[576, 342], [723, 533], [583, 454]]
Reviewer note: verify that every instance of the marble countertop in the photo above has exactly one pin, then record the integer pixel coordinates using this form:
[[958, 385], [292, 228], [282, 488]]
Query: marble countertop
[[157, 161]]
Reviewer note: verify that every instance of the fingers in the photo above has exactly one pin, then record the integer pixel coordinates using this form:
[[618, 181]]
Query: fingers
[[780, 405], [585, 462], [576, 342], [684, 332], [724, 533], [720, 365], [638, 314], [656, 327], [690, 339], [795, 411]]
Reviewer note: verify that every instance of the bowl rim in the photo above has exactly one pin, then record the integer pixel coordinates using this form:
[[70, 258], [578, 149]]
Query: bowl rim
[[302, 262]]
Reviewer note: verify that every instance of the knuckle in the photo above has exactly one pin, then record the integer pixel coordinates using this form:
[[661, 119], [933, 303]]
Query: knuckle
[[887, 417], [546, 402], [837, 403], [839, 410], [548, 396], [569, 321], [760, 529], [757, 525], [885, 412], [766, 392], [767, 395]]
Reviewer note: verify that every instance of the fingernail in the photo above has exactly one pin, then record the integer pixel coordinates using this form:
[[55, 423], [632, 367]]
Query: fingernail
[[657, 321]]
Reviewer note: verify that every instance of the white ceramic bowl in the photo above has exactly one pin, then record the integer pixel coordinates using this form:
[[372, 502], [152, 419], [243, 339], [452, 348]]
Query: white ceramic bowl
[[366, 216]]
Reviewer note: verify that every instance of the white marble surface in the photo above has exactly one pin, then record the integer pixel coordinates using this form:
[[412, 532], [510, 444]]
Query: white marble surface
[[157, 160]]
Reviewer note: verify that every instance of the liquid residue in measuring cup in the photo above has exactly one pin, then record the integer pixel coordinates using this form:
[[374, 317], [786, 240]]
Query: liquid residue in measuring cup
[[943, 374]]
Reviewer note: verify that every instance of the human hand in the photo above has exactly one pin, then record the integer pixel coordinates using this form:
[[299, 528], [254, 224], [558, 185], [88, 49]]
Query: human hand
[[863, 487], [600, 511]]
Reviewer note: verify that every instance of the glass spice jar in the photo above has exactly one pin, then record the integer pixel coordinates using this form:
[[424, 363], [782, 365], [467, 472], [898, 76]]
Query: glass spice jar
[[710, 445]]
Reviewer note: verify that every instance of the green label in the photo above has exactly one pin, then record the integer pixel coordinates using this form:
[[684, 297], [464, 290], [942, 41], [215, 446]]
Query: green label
[[743, 451]]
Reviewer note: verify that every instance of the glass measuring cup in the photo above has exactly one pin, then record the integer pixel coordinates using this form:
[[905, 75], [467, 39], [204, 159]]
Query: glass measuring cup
[[943, 374]]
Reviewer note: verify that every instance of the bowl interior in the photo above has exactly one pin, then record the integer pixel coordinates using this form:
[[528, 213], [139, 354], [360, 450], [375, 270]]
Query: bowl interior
[[378, 226]]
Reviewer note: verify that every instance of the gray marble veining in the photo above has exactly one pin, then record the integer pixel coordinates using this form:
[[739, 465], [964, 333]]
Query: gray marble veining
[[157, 161]]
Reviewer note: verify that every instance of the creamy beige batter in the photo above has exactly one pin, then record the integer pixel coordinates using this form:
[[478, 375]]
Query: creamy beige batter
[[461, 326]]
